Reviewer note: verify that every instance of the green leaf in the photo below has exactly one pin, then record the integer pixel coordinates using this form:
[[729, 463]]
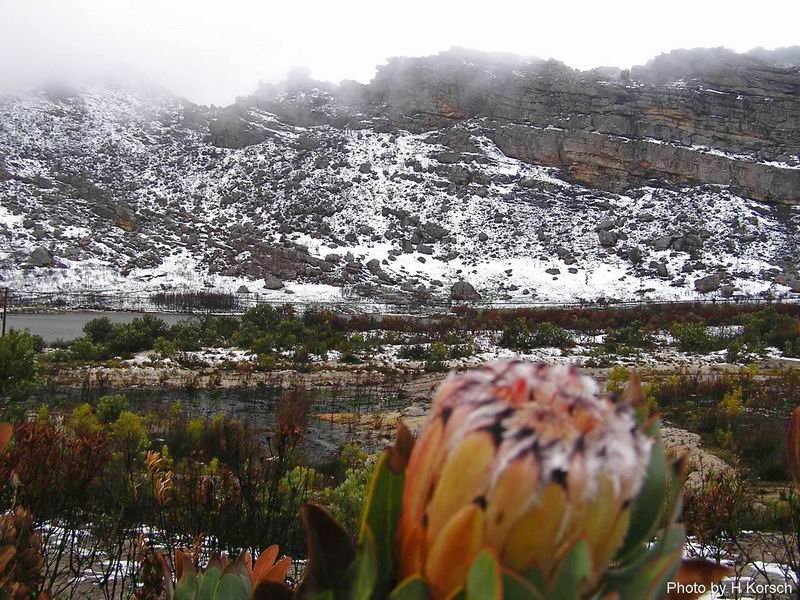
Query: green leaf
[[381, 514], [517, 588], [483, 579], [330, 553], [676, 480], [575, 569], [208, 583], [648, 578], [411, 588], [231, 587], [186, 588], [535, 578], [364, 570], [648, 506]]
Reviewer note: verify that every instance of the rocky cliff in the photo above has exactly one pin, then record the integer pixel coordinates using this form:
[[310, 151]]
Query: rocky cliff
[[523, 177], [688, 117]]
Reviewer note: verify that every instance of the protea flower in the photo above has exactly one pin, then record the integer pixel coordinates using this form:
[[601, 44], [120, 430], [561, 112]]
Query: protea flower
[[524, 460]]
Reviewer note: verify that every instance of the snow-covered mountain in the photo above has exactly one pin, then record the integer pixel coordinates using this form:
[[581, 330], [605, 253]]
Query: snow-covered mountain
[[526, 179]]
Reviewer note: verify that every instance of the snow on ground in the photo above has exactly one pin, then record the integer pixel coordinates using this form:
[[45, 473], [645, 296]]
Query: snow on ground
[[129, 147]]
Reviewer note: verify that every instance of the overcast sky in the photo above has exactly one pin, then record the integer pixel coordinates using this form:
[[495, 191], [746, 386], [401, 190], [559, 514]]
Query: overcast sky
[[210, 52]]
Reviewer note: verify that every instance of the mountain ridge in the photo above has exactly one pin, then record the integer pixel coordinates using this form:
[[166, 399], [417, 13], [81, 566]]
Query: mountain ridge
[[559, 186]]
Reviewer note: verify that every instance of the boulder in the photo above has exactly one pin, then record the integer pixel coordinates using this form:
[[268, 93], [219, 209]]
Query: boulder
[[606, 225], [663, 242], [272, 283], [434, 231], [607, 238], [40, 257], [463, 291], [707, 284]]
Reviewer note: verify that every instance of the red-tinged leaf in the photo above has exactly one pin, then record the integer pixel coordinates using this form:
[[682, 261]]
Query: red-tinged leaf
[[166, 573], [6, 554], [279, 570], [400, 452], [6, 433], [330, 552], [793, 445], [183, 564], [264, 563]]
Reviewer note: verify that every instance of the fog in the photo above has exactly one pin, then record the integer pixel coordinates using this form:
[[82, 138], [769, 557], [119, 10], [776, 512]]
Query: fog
[[210, 52]]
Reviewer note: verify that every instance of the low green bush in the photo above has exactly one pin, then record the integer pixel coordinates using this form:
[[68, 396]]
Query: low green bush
[[519, 336]]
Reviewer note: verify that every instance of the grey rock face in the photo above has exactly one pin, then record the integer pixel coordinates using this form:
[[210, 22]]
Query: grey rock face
[[465, 292], [616, 133], [707, 284], [40, 257], [607, 238], [273, 283]]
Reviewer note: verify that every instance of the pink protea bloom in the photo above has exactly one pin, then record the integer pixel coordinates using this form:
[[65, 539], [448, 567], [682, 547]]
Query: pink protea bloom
[[523, 459]]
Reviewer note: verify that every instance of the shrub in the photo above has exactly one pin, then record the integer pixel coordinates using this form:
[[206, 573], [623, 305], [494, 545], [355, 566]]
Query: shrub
[[128, 434], [17, 366], [731, 405], [138, 335], [186, 336], [518, 336], [83, 421], [109, 408], [99, 330], [84, 349], [694, 337], [164, 348], [621, 340], [617, 378], [346, 499], [770, 328]]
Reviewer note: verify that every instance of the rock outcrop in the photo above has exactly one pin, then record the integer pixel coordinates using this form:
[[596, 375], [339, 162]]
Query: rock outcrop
[[702, 116], [525, 178]]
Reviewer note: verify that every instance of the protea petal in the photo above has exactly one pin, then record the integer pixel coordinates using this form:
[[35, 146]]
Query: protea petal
[[423, 467], [534, 537], [453, 551], [605, 524], [464, 479], [510, 498], [411, 553]]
